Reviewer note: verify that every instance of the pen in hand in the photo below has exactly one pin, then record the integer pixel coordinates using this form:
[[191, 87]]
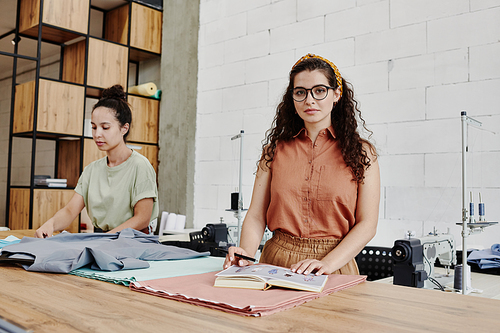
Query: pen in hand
[[238, 255]]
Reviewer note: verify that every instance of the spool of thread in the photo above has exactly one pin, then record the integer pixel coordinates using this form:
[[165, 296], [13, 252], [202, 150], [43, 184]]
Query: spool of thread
[[234, 200], [171, 220], [163, 222], [457, 279], [145, 89], [180, 222], [471, 209], [157, 95], [481, 211]]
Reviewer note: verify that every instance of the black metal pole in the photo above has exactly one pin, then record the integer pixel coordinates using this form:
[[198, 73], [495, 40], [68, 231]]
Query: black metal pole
[[35, 114], [11, 127]]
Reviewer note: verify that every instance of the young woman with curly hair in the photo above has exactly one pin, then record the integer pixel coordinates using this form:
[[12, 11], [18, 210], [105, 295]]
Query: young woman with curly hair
[[317, 185]]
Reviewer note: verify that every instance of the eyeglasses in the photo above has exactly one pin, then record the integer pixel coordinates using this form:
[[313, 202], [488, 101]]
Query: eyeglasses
[[318, 92]]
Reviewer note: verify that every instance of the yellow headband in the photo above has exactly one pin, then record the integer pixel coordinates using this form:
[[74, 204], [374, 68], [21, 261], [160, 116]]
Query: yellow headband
[[332, 65]]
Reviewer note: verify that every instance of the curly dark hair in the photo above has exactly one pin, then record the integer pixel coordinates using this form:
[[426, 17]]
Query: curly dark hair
[[287, 123]]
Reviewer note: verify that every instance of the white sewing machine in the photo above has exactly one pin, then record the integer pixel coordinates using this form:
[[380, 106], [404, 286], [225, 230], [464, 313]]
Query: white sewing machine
[[440, 246]]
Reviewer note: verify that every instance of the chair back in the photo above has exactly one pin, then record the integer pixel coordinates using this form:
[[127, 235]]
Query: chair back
[[375, 262]]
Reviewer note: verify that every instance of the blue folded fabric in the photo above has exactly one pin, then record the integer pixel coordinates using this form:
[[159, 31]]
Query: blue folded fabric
[[485, 259], [128, 249], [157, 270], [4, 242]]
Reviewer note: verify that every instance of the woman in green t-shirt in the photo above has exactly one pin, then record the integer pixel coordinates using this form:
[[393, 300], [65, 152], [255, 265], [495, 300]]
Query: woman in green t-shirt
[[119, 191]]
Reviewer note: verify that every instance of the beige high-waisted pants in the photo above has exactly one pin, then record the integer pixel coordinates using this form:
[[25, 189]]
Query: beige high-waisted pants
[[285, 250]]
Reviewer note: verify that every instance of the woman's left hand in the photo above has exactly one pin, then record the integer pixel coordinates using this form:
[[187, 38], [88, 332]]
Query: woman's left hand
[[308, 266]]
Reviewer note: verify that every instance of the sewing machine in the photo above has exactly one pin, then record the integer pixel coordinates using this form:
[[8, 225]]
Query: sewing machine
[[414, 258], [437, 246]]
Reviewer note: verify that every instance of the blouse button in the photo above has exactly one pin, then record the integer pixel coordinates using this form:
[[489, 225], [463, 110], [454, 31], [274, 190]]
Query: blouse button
[[310, 162], [307, 178]]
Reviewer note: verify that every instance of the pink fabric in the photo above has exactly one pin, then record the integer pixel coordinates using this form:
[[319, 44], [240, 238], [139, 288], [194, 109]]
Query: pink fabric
[[199, 290]]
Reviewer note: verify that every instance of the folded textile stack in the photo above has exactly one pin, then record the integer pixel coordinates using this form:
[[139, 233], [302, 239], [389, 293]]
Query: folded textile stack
[[8, 241], [50, 182], [156, 270], [199, 290], [485, 259], [62, 253]]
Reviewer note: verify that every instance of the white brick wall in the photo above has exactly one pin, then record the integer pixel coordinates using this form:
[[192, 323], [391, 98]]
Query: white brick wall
[[414, 64], [357, 21]]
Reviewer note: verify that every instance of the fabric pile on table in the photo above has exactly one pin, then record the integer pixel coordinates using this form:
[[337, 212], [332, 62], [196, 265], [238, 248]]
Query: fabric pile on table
[[156, 270], [485, 259], [62, 253], [199, 290]]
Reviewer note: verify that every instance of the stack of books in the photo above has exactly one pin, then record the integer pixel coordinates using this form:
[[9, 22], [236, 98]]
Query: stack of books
[[50, 182]]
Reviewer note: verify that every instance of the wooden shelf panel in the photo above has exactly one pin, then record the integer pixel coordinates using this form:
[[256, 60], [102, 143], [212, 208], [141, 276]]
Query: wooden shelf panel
[[116, 23], [71, 15], [19, 208], [47, 202], [74, 62], [68, 163], [141, 55], [60, 107], [103, 73], [145, 29], [144, 120], [24, 106], [51, 34]]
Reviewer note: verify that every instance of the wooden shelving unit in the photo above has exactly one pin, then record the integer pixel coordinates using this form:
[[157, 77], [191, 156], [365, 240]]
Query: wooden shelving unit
[[49, 109], [58, 111]]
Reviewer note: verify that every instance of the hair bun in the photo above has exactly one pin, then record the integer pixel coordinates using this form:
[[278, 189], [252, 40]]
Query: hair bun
[[114, 92]]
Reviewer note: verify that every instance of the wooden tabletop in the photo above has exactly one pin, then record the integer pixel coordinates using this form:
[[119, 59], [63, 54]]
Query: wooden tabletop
[[17, 233], [47, 302]]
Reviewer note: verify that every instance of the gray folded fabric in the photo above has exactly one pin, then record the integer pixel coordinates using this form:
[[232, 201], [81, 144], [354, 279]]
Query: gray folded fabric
[[128, 249]]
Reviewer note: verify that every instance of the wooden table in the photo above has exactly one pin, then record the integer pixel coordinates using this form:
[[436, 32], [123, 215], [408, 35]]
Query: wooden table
[[47, 302]]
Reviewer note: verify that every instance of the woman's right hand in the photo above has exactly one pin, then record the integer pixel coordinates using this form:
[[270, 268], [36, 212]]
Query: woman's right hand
[[46, 230], [231, 259]]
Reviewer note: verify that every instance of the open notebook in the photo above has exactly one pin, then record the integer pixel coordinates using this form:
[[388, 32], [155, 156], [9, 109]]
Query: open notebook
[[266, 276]]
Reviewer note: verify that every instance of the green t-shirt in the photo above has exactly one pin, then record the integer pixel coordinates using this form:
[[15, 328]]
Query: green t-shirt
[[110, 193]]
